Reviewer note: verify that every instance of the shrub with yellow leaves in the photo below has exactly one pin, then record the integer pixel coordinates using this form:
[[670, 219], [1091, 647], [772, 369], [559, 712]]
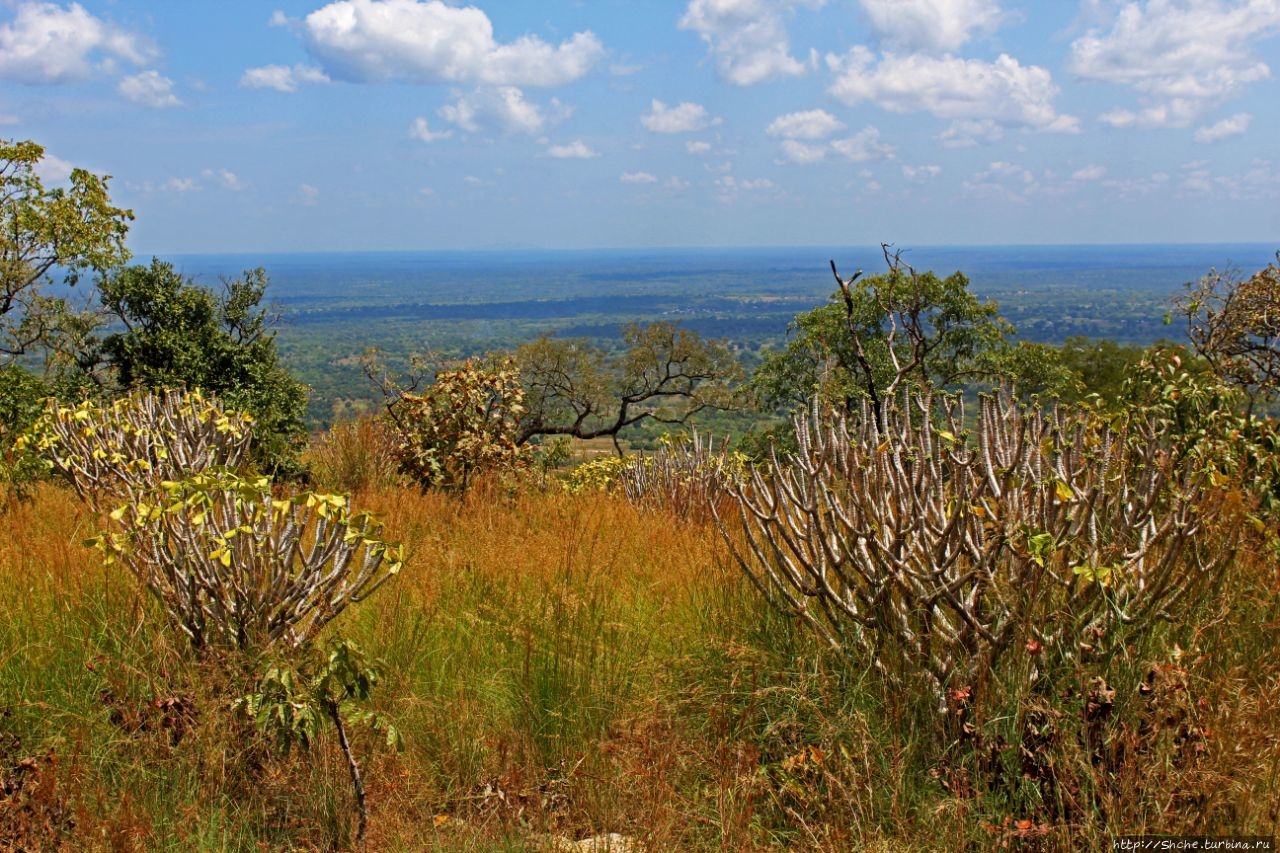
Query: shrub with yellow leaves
[[465, 423], [123, 448], [234, 567]]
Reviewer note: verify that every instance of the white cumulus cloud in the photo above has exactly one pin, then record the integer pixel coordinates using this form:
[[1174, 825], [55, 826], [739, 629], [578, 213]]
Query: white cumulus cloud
[[748, 38], [1190, 49], [810, 124], [150, 88], [1233, 126], [1002, 91], [502, 108], [48, 43], [697, 147], [576, 150], [795, 151], [685, 117], [863, 146], [637, 178], [933, 25], [282, 78], [370, 41]]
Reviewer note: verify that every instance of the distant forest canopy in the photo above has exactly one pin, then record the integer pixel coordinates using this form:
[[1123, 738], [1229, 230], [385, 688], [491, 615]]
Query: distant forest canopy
[[334, 306]]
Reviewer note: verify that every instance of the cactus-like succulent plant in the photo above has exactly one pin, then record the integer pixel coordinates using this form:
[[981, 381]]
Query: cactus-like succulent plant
[[684, 476], [124, 447], [929, 549], [235, 567]]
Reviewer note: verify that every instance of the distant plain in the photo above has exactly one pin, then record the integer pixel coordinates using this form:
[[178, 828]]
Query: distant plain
[[335, 306]]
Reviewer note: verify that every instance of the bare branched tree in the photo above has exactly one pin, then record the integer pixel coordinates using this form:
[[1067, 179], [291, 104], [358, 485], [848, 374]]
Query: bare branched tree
[[667, 374]]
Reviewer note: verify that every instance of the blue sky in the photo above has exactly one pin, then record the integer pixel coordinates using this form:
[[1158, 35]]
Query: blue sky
[[239, 125]]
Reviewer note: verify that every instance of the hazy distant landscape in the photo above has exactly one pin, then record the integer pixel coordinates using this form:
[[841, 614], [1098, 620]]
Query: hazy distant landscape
[[333, 306]]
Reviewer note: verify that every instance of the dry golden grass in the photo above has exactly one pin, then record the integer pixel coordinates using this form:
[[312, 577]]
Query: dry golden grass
[[570, 664]]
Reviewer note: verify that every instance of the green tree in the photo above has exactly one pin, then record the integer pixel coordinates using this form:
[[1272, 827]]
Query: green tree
[[1234, 325], [21, 396], [1102, 366], [74, 229], [666, 374], [901, 327], [177, 333]]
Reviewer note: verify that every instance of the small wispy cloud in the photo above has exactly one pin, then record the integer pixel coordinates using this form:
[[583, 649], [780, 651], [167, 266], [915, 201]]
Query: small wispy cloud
[[685, 117], [921, 173], [1233, 126], [576, 150], [810, 124], [282, 78], [421, 131], [226, 179], [182, 185], [150, 89]]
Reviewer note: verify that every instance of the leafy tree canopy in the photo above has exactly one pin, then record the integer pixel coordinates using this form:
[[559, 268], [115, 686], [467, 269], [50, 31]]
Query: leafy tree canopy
[[1234, 324], [177, 333], [71, 229], [463, 423], [903, 326]]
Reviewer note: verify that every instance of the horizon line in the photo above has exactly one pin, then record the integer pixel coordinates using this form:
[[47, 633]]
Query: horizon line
[[515, 249]]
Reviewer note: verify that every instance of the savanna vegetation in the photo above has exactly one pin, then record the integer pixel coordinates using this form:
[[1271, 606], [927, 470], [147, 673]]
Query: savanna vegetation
[[956, 592]]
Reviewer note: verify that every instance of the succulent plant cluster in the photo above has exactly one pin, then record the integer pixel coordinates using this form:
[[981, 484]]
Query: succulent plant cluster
[[931, 548], [232, 565]]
